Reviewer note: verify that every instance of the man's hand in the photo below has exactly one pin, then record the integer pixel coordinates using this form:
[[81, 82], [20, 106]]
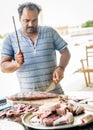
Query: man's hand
[[19, 59], [58, 75]]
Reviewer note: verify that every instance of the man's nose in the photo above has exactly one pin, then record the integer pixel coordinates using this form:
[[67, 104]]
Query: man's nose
[[30, 23]]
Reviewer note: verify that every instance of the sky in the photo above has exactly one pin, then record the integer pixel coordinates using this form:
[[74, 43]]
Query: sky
[[55, 12]]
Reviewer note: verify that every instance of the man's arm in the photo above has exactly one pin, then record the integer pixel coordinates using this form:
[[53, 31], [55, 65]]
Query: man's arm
[[8, 65], [58, 73], [65, 57]]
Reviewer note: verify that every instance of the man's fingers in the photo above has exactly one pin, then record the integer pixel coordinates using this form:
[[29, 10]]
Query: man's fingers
[[56, 77]]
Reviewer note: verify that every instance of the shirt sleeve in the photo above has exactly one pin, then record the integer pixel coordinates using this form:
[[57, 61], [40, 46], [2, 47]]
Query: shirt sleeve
[[7, 49], [59, 42]]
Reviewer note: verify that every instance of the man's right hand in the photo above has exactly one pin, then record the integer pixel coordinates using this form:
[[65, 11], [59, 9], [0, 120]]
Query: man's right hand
[[19, 58], [8, 66]]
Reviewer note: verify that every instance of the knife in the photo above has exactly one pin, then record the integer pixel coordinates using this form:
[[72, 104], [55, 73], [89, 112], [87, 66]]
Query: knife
[[6, 106], [51, 86], [16, 34]]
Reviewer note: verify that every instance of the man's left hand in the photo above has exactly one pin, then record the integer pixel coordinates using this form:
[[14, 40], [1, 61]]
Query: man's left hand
[[58, 75]]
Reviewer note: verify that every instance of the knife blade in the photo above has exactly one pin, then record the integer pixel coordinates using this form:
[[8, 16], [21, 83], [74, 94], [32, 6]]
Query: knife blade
[[16, 33], [51, 86]]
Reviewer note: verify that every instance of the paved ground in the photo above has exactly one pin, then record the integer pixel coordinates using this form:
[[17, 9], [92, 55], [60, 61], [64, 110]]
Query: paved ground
[[74, 83]]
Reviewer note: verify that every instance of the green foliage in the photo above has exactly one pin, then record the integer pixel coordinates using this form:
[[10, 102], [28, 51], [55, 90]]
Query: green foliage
[[3, 36], [88, 24]]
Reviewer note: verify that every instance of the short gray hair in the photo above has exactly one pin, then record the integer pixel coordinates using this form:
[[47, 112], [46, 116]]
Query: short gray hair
[[28, 5]]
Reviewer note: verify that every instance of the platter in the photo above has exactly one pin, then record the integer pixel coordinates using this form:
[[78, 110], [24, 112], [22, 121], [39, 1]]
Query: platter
[[26, 120]]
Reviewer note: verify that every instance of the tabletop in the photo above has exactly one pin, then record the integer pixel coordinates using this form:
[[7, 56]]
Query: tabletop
[[86, 127]]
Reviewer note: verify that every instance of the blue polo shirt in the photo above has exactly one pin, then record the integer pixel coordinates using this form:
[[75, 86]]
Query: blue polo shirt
[[39, 59]]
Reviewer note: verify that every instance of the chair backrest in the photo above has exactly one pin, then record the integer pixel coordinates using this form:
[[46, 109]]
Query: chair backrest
[[89, 55]]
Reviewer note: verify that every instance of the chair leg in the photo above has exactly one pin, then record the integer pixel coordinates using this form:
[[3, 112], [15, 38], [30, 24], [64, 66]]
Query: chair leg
[[89, 77], [86, 81]]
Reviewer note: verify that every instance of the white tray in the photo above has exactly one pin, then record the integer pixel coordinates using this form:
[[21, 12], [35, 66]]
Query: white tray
[[77, 122]]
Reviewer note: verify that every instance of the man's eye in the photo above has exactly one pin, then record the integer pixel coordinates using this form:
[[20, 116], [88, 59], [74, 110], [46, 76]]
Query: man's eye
[[35, 20], [26, 20]]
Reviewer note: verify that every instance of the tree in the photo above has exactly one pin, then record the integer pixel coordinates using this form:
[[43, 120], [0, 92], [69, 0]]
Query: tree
[[88, 24]]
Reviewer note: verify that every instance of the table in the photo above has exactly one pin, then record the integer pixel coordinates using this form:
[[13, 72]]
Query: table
[[79, 94], [86, 127]]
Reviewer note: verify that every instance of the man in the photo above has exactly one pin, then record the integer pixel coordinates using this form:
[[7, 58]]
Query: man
[[35, 63]]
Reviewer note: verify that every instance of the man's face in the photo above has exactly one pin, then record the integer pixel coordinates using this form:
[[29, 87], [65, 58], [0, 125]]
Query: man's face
[[29, 21]]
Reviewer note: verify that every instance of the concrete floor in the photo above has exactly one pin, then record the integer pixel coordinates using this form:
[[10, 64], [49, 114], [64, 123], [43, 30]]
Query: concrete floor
[[75, 82], [75, 86]]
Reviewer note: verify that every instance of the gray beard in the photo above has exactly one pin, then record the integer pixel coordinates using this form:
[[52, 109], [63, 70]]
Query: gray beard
[[31, 30]]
